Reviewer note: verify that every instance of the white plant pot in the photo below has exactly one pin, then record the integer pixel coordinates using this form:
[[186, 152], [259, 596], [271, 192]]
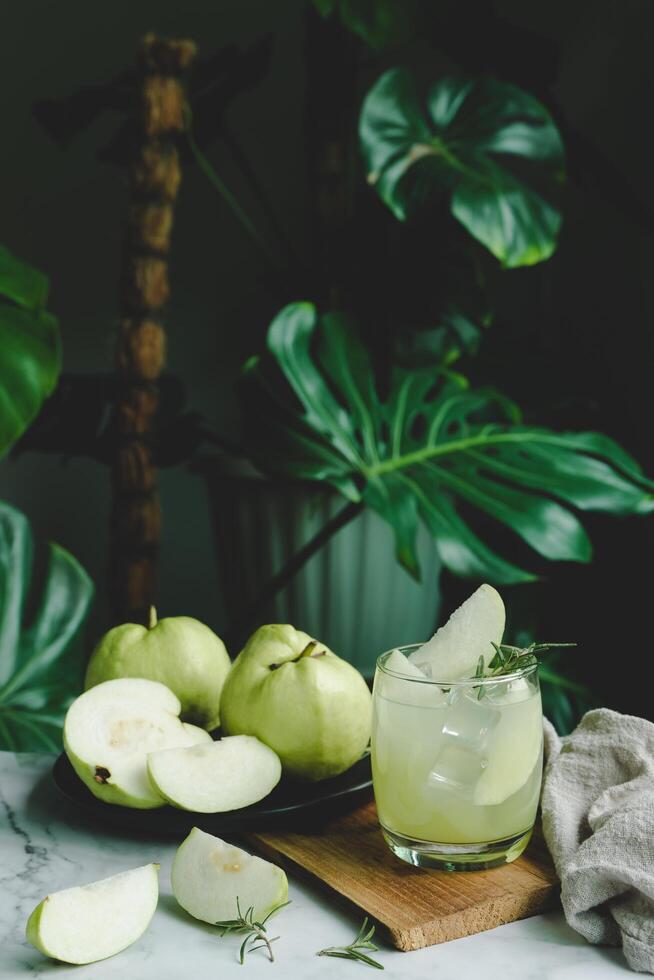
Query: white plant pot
[[352, 594]]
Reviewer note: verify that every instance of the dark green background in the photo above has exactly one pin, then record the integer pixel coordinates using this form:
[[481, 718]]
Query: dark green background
[[573, 340]]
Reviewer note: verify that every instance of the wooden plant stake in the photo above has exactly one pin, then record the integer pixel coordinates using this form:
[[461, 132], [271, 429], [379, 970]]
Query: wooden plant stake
[[155, 176]]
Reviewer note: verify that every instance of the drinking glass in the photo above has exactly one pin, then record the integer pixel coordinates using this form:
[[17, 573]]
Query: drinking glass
[[456, 765]]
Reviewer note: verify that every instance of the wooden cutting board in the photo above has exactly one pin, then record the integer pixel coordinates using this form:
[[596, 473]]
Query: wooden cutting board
[[414, 907]]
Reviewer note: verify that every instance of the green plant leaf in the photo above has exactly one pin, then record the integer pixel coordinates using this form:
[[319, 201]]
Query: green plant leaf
[[30, 355], [455, 335], [40, 661], [430, 450], [490, 148], [564, 700], [379, 23]]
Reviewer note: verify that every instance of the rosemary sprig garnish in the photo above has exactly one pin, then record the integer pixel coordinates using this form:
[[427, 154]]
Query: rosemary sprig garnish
[[509, 660], [479, 672], [362, 941], [256, 931]]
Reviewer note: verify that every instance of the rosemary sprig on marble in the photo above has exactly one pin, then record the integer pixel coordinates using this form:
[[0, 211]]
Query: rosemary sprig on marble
[[362, 941], [256, 931]]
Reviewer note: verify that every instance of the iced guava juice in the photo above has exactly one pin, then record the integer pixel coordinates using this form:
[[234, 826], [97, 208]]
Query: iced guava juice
[[457, 768]]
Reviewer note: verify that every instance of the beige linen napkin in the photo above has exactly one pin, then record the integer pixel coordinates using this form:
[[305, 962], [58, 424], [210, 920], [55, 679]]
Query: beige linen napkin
[[598, 821]]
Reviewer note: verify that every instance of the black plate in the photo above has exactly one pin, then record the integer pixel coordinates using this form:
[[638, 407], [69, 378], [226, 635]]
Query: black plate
[[290, 804]]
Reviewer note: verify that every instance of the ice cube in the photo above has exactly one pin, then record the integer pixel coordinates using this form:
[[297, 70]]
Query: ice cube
[[469, 719], [508, 692], [457, 769], [465, 735]]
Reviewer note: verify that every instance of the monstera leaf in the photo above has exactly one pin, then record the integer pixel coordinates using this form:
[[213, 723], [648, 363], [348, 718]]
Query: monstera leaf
[[456, 334], [40, 663], [314, 411], [30, 354], [491, 148]]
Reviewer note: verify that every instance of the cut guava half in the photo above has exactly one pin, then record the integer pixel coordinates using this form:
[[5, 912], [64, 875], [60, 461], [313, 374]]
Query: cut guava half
[[209, 875], [513, 751], [109, 731], [211, 778], [454, 651], [92, 922]]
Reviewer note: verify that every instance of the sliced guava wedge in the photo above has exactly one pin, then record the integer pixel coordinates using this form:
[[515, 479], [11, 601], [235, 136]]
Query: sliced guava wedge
[[400, 664], [513, 750], [109, 731], [454, 651], [406, 687], [199, 736], [92, 922], [209, 875], [225, 775]]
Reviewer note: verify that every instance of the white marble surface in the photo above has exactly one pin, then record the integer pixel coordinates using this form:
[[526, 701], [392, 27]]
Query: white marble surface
[[45, 846]]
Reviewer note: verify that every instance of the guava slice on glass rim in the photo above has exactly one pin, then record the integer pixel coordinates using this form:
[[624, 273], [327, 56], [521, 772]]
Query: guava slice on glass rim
[[109, 731], [92, 922], [454, 651], [210, 778], [399, 663], [396, 688], [209, 875]]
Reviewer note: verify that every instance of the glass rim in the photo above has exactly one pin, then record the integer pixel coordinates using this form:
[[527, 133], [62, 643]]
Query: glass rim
[[466, 682]]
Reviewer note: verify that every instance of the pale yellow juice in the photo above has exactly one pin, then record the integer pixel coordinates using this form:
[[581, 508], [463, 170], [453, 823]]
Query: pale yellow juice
[[453, 767]]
